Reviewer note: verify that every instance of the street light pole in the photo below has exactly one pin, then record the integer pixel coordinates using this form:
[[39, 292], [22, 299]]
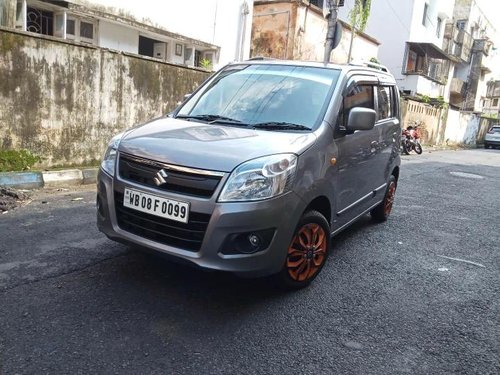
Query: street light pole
[[330, 11]]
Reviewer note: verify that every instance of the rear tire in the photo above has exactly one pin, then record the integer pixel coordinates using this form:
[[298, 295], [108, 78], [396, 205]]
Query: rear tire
[[307, 252], [406, 150], [486, 145], [383, 210]]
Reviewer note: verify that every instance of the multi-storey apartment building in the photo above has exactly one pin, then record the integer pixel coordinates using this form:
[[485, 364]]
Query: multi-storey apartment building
[[411, 33], [467, 41], [491, 103]]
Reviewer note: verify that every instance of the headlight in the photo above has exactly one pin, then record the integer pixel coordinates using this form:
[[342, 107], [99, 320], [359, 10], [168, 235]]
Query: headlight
[[109, 159], [260, 178]]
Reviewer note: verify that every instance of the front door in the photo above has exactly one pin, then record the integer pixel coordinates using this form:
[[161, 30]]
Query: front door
[[355, 172]]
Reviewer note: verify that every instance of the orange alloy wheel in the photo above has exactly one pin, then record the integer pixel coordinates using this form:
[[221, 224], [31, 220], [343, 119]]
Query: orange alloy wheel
[[389, 198], [307, 252]]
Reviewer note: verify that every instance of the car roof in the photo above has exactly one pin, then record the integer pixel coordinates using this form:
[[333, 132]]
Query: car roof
[[346, 68]]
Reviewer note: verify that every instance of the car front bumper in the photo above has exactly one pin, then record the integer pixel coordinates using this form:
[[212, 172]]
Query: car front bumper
[[280, 214], [492, 142]]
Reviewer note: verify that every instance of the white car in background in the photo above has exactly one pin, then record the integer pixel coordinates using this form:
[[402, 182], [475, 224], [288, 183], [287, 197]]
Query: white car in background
[[492, 138]]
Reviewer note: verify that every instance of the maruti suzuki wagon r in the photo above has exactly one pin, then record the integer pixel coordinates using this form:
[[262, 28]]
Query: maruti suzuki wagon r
[[258, 168]]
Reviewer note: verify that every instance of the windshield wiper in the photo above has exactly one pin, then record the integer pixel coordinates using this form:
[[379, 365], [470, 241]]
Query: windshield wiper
[[274, 125], [211, 119]]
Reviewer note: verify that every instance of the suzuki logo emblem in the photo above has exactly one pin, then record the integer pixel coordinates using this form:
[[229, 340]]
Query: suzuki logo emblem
[[160, 177]]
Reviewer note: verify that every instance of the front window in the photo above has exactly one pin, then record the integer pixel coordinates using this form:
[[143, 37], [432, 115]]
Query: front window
[[39, 21], [86, 30], [257, 94], [50, 20]]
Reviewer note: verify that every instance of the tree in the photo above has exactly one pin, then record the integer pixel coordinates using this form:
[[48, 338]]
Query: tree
[[358, 17]]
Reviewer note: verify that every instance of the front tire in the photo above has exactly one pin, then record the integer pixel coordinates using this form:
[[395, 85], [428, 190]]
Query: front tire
[[418, 148], [307, 252], [383, 210]]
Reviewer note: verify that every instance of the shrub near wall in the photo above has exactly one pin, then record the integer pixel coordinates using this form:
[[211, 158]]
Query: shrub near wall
[[64, 101]]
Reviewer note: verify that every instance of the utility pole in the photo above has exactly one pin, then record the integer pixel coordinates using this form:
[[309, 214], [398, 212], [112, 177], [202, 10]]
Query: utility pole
[[334, 31]]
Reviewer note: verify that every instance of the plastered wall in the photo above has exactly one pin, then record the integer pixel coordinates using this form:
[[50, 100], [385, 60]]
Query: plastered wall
[[64, 101]]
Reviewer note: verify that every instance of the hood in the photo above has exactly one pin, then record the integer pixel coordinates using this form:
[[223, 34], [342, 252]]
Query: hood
[[210, 147]]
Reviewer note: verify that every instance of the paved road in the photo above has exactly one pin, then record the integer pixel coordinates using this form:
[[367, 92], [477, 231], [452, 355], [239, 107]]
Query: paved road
[[387, 302]]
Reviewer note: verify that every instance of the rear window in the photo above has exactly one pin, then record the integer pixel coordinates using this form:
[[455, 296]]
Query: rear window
[[495, 129]]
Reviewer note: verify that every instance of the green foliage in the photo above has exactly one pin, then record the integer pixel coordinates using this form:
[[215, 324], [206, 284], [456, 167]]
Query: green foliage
[[17, 160], [492, 116], [425, 98], [439, 102], [206, 64], [358, 16]]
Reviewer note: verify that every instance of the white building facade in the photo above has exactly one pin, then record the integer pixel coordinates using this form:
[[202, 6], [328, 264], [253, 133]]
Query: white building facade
[[200, 33], [411, 35]]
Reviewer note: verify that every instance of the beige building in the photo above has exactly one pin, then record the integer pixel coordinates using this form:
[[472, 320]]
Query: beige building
[[296, 30], [491, 103]]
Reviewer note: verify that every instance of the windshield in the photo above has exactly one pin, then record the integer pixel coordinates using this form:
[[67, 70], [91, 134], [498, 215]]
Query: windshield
[[263, 94]]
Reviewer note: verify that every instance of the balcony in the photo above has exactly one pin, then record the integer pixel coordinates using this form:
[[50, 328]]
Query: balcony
[[451, 32], [457, 43], [457, 86], [493, 89], [427, 60], [457, 92], [482, 45]]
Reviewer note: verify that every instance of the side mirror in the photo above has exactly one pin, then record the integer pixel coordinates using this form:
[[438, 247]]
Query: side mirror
[[361, 118]]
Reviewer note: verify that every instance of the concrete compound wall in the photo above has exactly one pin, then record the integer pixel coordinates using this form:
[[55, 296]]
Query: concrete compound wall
[[64, 101], [429, 119], [462, 128], [442, 126]]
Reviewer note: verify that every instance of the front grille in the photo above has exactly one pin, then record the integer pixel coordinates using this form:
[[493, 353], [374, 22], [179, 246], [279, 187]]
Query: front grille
[[143, 171], [168, 232]]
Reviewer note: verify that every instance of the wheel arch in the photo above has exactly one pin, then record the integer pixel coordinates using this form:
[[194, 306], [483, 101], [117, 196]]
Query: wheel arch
[[323, 205], [395, 172]]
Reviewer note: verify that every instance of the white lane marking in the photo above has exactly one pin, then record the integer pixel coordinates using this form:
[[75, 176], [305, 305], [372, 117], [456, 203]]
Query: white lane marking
[[467, 175], [463, 260]]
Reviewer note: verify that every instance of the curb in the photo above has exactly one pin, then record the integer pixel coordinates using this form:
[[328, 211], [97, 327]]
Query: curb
[[48, 179]]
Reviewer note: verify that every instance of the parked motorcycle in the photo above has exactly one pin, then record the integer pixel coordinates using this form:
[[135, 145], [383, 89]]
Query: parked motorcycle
[[410, 140]]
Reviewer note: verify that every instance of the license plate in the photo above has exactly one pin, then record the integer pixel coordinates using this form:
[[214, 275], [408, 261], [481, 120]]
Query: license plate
[[158, 206]]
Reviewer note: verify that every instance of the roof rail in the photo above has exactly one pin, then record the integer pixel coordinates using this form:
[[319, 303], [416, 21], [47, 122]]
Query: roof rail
[[259, 58], [370, 64]]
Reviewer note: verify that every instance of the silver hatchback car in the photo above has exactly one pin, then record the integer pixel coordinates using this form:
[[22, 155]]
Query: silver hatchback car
[[492, 137], [257, 169]]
